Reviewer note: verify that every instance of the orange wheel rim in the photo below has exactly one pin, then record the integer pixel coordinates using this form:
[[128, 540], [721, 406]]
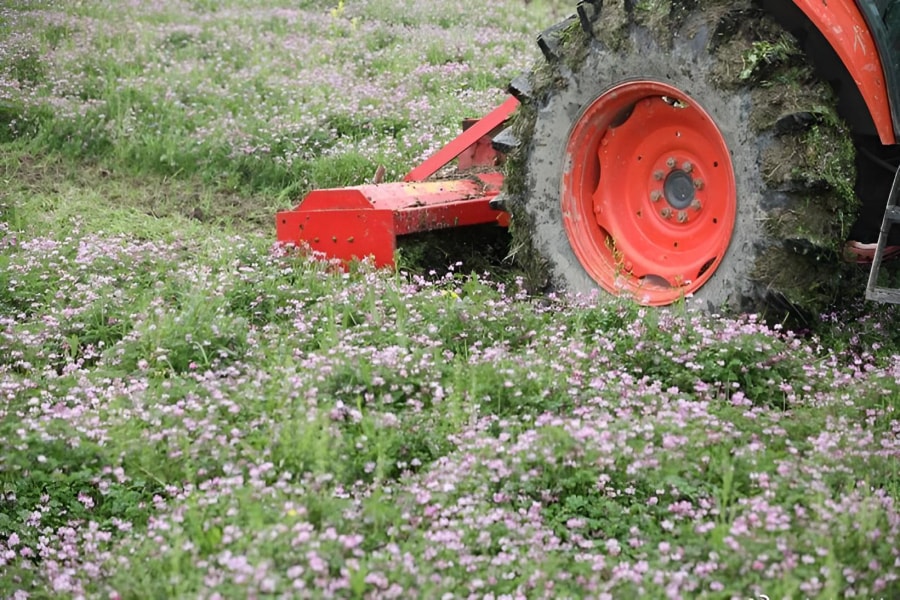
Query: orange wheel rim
[[648, 195]]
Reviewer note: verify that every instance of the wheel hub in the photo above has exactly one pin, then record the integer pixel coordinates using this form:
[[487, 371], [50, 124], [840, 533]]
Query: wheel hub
[[649, 202], [679, 189]]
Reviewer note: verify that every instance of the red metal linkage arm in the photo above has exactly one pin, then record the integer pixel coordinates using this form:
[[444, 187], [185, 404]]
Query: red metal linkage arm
[[468, 138]]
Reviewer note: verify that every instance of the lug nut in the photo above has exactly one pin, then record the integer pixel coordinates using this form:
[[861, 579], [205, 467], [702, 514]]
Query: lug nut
[[696, 205], [682, 216], [658, 175], [670, 162], [655, 196], [666, 212], [698, 183], [687, 167]]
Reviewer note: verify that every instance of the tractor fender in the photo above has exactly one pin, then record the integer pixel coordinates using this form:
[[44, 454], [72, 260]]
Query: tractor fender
[[844, 27]]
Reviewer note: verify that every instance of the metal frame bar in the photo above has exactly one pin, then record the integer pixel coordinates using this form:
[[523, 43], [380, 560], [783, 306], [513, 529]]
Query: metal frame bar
[[874, 292], [469, 138]]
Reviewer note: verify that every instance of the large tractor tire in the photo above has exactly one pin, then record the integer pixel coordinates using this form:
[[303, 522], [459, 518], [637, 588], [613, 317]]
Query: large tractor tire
[[677, 148]]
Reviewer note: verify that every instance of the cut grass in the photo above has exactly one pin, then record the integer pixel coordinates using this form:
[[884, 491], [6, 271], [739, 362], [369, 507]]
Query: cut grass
[[52, 195]]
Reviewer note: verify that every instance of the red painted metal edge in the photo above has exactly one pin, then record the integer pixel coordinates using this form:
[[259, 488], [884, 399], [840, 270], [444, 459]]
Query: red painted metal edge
[[845, 28], [464, 141]]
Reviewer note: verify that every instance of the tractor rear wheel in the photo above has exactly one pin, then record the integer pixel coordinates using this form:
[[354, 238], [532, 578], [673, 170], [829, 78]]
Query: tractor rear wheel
[[680, 149]]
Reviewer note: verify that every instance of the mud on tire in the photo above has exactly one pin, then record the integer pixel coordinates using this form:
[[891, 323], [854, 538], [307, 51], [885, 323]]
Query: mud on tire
[[792, 156]]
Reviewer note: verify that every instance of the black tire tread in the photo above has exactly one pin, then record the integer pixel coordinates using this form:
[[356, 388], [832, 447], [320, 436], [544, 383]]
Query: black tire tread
[[807, 159]]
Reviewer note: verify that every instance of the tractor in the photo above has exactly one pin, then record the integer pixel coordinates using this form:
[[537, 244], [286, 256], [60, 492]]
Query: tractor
[[733, 151]]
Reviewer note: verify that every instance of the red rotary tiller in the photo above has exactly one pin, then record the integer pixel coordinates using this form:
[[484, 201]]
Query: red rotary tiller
[[365, 220]]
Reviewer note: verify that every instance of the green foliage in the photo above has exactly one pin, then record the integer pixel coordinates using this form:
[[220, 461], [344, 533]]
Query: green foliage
[[261, 295], [56, 34], [476, 249], [64, 479], [765, 57], [248, 411], [836, 155], [197, 335], [22, 291], [754, 364], [572, 492], [163, 104], [379, 454], [873, 336], [612, 315], [103, 324], [27, 68]]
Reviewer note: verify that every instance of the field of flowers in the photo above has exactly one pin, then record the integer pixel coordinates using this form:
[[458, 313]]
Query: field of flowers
[[261, 95], [187, 411]]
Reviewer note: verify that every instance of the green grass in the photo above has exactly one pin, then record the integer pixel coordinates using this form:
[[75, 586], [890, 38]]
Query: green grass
[[188, 411], [256, 100]]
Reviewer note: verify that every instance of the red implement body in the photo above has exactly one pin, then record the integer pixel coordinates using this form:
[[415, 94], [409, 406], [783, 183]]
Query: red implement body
[[360, 221]]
